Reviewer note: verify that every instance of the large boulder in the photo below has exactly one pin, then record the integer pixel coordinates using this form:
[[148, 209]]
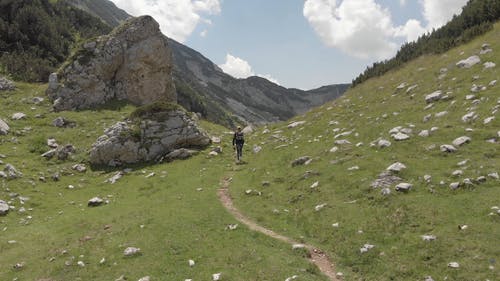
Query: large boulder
[[132, 63], [152, 133]]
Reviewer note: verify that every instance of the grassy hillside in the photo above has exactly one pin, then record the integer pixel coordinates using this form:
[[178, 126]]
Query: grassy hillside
[[171, 212], [172, 216], [394, 223]]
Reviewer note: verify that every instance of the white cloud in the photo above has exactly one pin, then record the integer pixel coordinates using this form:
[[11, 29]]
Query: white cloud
[[361, 28], [240, 68], [237, 67], [204, 33], [437, 13], [177, 18], [364, 29]]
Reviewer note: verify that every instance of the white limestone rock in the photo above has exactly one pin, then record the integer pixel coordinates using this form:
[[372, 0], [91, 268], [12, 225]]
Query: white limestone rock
[[396, 167], [468, 62], [434, 96], [461, 141]]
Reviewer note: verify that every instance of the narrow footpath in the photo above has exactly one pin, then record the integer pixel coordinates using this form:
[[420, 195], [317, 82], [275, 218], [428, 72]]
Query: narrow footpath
[[316, 256]]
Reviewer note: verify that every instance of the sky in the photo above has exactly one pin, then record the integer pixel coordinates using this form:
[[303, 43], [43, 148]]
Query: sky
[[301, 44]]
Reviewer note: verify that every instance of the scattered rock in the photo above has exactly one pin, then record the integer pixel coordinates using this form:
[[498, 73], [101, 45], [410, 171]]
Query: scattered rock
[[424, 133], [6, 84], [94, 202], [11, 172], [454, 185], [396, 167], [434, 96], [469, 117], [404, 187], [49, 154], [131, 251], [428, 278], [385, 191], [79, 167], [18, 116], [453, 265], [4, 208], [447, 148], [457, 173], [295, 124], [115, 177], [489, 64], [385, 180], [366, 248], [468, 62], [61, 122], [428, 237], [301, 161], [64, 152], [461, 141], [52, 143], [256, 149], [400, 136], [145, 278], [191, 263], [342, 142], [4, 127], [488, 120], [383, 143], [494, 175], [216, 276], [317, 208]]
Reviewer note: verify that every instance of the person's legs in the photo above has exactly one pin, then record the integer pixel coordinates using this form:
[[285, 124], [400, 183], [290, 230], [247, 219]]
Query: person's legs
[[239, 150]]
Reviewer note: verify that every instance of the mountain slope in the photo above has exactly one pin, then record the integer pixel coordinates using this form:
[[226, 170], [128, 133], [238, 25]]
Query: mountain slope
[[331, 201], [104, 9]]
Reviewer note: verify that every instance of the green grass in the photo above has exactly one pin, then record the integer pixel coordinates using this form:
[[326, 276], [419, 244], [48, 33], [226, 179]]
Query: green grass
[[395, 223], [179, 222]]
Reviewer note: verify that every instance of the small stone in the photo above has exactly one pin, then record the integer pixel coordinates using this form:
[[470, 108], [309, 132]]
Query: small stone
[[4, 208], [434, 96], [256, 149], [334, 149], [400, 136], [80, 264], [462, 227], [18, 116], [232, 226], [461, 141], [298, 246], [396, 167], [453, 265], [488, 120], [317, 208], [301, 161], [383, 143], [427, 178], [404, 187], [385, 191], [94, 202], [494, 175], [366, 248], [489, 64], [447, 148], [131, 251], [481, 179], [428, 237], [423, 133], [428, 278], [335, 224], [315, 184], [145, 278], [295, 124], [454, 185], [191, 263], [216, 276], [457, 173], [79, 167]]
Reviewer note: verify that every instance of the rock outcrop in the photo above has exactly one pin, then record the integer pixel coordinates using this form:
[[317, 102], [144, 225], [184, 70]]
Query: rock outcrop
[[132, 63], [151, 135]]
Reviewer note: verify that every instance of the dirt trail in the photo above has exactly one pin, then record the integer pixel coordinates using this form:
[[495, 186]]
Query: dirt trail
[[318, 257]]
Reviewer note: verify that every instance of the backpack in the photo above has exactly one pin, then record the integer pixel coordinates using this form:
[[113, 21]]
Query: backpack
[[238, 136]]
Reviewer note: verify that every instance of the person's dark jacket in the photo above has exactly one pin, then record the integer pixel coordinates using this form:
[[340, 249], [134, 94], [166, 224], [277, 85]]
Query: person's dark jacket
[[238, 138]]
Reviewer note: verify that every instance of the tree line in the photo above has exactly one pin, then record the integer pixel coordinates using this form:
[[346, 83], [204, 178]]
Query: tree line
[[36, 36], [477, 17]]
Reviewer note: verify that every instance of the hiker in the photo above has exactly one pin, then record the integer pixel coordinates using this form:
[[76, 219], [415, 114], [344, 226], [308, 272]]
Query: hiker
[[238, 141]]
